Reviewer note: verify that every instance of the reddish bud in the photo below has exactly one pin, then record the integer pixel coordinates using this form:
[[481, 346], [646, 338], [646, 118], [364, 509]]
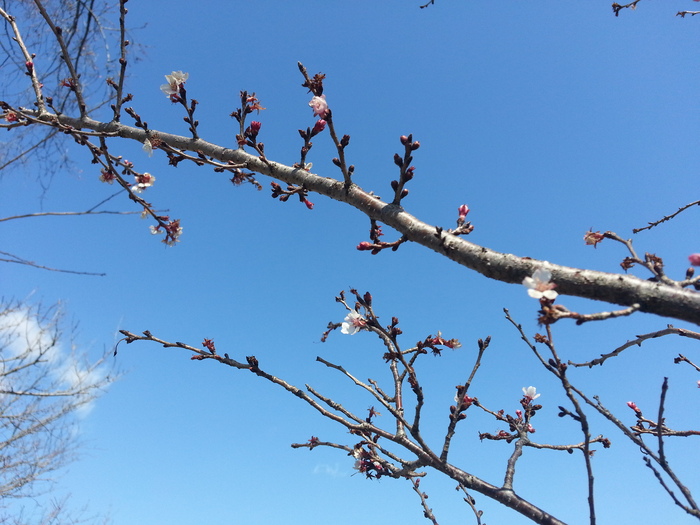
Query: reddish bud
[[415, 146], [463, 210], [309, 204], [404, 139], [255, 126], [364, 246], [319, 126], [694, 259]]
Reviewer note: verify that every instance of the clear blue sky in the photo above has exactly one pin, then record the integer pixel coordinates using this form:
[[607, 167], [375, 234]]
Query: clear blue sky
[[546, 118]]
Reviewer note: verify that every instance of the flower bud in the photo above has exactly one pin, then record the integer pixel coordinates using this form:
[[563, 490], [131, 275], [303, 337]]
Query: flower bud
[[398, 160], [404, 139], [415, 146], [319, 126]]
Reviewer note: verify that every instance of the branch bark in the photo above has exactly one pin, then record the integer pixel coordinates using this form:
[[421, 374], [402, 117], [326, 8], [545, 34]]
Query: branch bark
[[652, 297]]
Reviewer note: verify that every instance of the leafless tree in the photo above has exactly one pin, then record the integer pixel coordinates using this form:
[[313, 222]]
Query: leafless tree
[[398, 449], [44, 389]]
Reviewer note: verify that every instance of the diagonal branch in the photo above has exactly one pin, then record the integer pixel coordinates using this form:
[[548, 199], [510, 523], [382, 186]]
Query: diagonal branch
[[652, 297]]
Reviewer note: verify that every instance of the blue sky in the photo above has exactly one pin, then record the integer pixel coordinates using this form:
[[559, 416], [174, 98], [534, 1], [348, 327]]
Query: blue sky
[[546, 119]]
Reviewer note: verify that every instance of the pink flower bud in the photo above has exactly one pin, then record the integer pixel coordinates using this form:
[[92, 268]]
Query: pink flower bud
[[255, 126], [463, 210], [319, 126], [633, 406], [694, 259], [364, 246], [309, 204]]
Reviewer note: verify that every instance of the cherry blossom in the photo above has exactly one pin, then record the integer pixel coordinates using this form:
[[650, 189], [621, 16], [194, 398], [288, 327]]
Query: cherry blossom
[[107, 176], [530, 393], [142, 182], [633, 406], [320, 106], [539, 285], [694, 258], [148, 147], [353, 323], [174, 81]]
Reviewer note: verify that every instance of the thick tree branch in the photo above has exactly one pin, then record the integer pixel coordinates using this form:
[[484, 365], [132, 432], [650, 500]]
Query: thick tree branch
[[653, 297]]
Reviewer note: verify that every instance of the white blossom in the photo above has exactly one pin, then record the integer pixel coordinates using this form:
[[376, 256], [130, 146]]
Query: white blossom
[[352, 323], [174, 81], [148, 147], [530, 393], [539, 285]]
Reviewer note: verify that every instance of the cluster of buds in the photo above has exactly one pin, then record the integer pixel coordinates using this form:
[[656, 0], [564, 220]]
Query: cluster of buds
[[283, 196], [404, 164], [432, 342], [462, 403], [377, 245]]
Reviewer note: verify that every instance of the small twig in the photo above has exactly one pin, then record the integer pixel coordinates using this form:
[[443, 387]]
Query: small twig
[[427, 511], [472, 503], [19, 260], [638, 342], [669, 217]]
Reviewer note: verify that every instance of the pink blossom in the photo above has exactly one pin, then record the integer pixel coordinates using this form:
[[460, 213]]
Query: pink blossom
[[319, 106], [531, 429], [463, 210], [633, 406], [694, 258], [539, 285], [107, 176]]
